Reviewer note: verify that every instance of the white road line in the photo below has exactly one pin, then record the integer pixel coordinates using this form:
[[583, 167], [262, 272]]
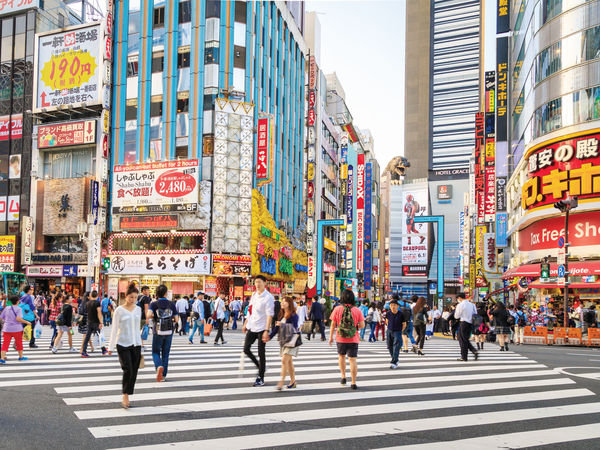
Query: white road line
[[362, 374], [206, 393], [313, 398], [396, 427]]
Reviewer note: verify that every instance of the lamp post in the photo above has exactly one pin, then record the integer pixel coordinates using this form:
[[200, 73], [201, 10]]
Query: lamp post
[[566, 206]]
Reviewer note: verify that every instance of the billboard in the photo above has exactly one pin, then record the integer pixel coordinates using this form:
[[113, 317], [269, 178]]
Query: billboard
[[14, 6], [165, 264], [501, 88], [264, 151], [479, 167], [503, 16], [69, 68], [67, 134], [415, 238], [165, 186], [489, 253], [480, 280], [231, 265], [368, 193], [7, 253], [11, 127], [501, 230], [360, 211]]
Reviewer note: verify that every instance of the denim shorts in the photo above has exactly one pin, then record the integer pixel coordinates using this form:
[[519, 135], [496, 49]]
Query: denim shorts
[[350, 349]]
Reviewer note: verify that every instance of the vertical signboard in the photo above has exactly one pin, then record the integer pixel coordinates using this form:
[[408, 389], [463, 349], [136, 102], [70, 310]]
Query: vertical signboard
[[368, 199], [489, 253], [501, 88], [490, 181], [479, 168], [480, 280], [367, 267], [503, 16], [360, 211], [500, 193], [264, 151], [501, 230], [7, 253], [26, 239], [490, 91]]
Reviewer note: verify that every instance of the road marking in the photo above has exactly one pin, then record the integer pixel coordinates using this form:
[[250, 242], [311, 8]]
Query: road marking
[[590, 376]]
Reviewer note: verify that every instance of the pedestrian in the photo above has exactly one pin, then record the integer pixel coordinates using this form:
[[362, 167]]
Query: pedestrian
[[163, 317], [106, 305], [302, 312], [125, 336], [257, 324], [276, 308], [420, 323], [81, 320], [395, 325], [374, 317], [54, 310], [94, 324], [521, 323], [12, 317], [207, 309], [348, 320], [199, 320], [182, 306], [235, 307], [29, 312], [445, 321], [64, 322], [364, 309], [143, 302], [454, 322], [40, 306], [502, 323], [436, 316], [407, 334], [380, 326], [316, 316], [483, 329], [219, 316], [464, 313], [288, 330]]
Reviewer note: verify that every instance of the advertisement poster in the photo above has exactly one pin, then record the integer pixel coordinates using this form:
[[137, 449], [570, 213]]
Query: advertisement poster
[[415, 237], [14, 202], [264, 151], [7, 253], [360, 211], [14, 167], [501, 230], [489, 253], [157, 222], [231, 265], [165, 185], [7, 7], [210, 286], [69, 68], [11, 126], [166, 264], [66, 134]]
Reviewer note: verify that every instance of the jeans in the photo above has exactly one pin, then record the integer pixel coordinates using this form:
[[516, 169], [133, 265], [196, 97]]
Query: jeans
[[372, 337], [91, 329], [32, 340], [198, 325], [129, 357], [219, 331], [394, 343], [183, 323], [409, 331], [420, 335], [235, 315], [362, 333], [106, 318], [251, 337], [161, 347], [54, 331]]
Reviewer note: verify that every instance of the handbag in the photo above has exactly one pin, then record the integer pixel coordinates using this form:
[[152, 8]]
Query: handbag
[[142, 362], [207, 329], [27, 333], [307, 327], [295, 341], [145, 332]]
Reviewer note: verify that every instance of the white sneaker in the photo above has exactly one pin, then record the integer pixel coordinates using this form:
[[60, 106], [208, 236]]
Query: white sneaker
[[393, 366], [73, 350], [54, 350]]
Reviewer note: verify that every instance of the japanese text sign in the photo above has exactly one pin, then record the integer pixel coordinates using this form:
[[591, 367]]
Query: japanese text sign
[[66, 134], [167, 264], [7, 253], [264, 151]]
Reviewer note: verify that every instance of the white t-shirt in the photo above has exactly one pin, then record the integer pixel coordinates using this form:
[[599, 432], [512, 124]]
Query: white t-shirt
[[302, 315], [220, 308], [261, 307]]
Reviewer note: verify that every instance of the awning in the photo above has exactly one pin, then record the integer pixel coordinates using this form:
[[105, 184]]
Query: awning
[[576, 268], [537, 284]]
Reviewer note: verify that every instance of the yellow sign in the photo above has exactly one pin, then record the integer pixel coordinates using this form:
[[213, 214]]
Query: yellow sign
[[7, 253], [311, 171], [68, 69], [344, 171], [329, 245], [310, 208]]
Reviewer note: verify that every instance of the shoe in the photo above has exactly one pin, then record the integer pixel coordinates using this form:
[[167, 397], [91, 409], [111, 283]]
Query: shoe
[[23, 358], [85, 355], [224, 342], [291, 386], [404, 351], [478, 346], [308, 337], [393, 366], [419, 352], [104, 352], [33, 346], [501, 349], [461, 359], [353, 387], [216, 343], [414, 349], [73, 350], [476, 356], [190, 341], [2, 361], [203, 342], [159, 373], [259, 382], [322, 339], [54, 350], [343, 381]]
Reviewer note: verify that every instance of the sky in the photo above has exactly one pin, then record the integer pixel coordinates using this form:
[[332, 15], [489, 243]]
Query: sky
[[363, 42]]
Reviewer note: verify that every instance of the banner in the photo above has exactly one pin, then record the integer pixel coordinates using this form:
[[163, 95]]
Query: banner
[[155, 222], [500, 193], [69, 68], [479, 168], [367, 266], [360, 211], [480, 280], [158, 186], [264, 151], [12, 6], [503, 16], [501, 230], [67, 134], [231, 265], [349, 197], [26, 239], [368, 193], [489, 253], [501, 88], [166, 264], [7, 253], [490, 91], [11, 127], [415, 238]]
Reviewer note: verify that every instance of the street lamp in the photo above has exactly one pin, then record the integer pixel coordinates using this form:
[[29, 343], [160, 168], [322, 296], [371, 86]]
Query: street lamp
[[566, 206]]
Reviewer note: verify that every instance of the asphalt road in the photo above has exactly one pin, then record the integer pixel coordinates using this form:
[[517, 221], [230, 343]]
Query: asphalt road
[[504, 400]]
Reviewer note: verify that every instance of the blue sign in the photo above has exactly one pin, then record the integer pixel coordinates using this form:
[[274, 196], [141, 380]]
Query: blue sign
[[344, 153], [368, 188], [349, 197], [95, 200], [561, 271], [461, 230], [69, 271], [501, 230], [367, 268], [561, 242]]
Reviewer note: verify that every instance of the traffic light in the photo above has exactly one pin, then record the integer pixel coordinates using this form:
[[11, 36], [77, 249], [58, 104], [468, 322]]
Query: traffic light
[[545, 272], [105, 263]]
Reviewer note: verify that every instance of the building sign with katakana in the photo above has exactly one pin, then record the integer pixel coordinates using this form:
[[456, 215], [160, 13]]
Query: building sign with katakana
[[264, 150], [165, 264], [565, 168]]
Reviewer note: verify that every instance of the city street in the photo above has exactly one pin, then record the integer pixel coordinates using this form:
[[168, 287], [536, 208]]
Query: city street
[[504, 400]]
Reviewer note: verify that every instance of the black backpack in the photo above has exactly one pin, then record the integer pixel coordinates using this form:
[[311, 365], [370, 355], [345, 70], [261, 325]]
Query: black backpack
[[521, 321], [406, 311], [164, 321]]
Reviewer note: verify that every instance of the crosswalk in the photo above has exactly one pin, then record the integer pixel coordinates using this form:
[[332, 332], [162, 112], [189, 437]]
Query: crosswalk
[[504, 400]]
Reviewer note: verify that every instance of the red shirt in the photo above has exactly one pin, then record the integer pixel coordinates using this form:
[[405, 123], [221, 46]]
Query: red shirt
[[55, 311], [336, 317]]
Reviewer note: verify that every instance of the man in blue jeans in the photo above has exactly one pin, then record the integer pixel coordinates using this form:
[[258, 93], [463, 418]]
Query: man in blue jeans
[[364, 309], [408, 330], [395, 325], [164, 316]]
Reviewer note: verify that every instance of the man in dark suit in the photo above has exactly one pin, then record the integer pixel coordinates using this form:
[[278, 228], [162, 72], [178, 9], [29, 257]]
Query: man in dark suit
[[316, 315]]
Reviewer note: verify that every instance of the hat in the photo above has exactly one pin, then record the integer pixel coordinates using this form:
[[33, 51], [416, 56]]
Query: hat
[[394, 302]]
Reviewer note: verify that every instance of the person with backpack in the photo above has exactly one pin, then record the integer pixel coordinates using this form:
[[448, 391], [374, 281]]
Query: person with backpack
[[464, 313], [257, 326], [288, 330], [143, 302], [407, 334], [12, 328], [163, 315], [64, 322], [54, 309], [125, 337], [396, 324], [483, 329], [106, 305], [521, 323], [198, 318], [502, 323], [29, 312], [420, 323], [348, 320]]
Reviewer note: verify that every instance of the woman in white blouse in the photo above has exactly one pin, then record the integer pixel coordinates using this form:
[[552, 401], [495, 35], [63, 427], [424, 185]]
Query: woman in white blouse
[[125, 335]]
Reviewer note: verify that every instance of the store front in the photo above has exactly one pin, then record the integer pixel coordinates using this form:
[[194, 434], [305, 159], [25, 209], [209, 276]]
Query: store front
[[70, 278]]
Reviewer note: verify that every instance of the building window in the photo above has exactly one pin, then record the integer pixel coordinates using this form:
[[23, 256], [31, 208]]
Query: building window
[[181, 152], [240, 11], [209, 101], [69, 164], [132, 68], [157, 62], [65, 244], [131, 112], [183, 60], [213, 8], [183, 105], [159, 17], [185, 12], [156, 109], [239, 57], [211, 54]]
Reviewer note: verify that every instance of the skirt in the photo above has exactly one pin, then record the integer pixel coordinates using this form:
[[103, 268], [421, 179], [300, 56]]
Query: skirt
[[501, 330], [293, 351]]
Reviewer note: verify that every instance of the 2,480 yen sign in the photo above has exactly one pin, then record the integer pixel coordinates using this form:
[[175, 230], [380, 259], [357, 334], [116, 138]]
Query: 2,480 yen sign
[[175, 184]]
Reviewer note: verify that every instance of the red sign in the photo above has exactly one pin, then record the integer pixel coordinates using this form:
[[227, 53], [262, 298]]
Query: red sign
[[312, 98], [311, 117], [584, 230], [231, 265], [310, 189], [328, 268], [12, 127], [568, 167], [148, 222], [262, 150], [490, 194], [174, 183], [66, 134]]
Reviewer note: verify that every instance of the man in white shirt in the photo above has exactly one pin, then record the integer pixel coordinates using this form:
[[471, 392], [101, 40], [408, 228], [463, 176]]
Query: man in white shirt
[[182, 306], [220, 315], [464, 312], [257, 324], [199, 320]]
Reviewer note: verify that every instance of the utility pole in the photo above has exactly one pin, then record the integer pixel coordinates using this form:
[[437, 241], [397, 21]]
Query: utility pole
[[566, 206]]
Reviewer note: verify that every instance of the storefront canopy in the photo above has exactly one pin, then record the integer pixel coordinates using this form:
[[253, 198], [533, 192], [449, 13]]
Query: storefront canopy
[[577, 268], [537, 284]]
